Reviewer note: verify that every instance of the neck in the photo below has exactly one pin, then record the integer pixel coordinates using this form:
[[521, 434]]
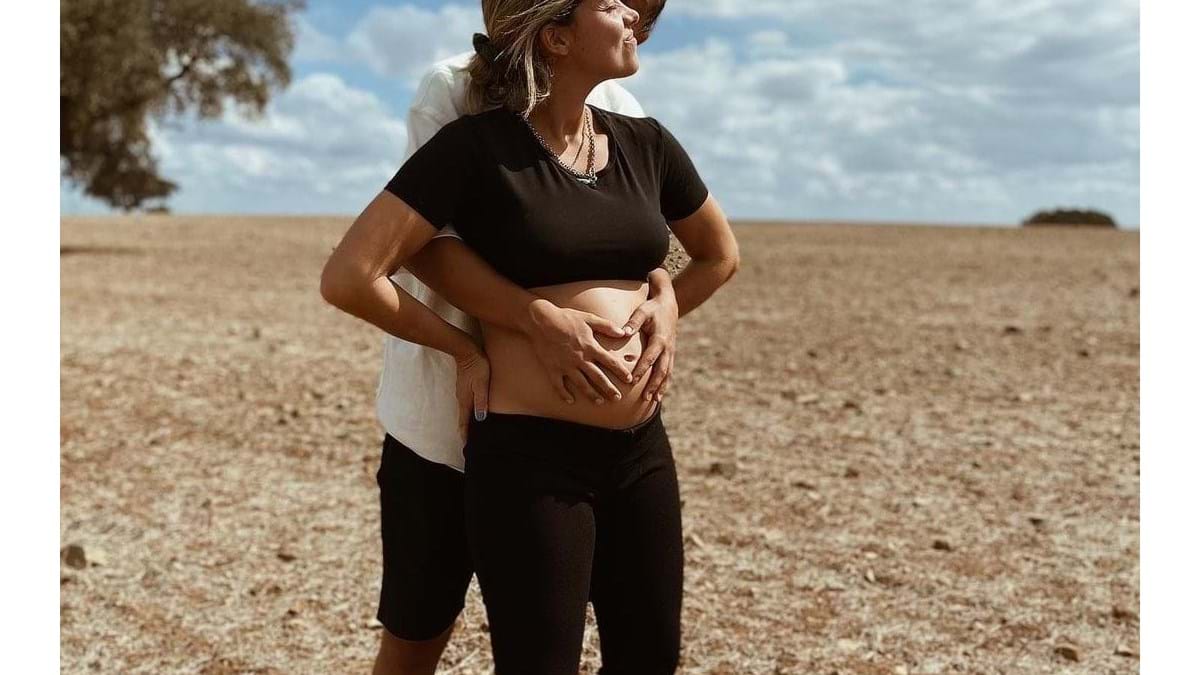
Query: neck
[[559, 118]]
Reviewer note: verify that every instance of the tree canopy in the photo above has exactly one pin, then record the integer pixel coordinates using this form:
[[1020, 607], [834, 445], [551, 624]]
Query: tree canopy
[[125, 61], [1060, 216]]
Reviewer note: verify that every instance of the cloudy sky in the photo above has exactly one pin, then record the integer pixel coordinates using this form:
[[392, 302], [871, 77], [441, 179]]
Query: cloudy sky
[[964, 111]]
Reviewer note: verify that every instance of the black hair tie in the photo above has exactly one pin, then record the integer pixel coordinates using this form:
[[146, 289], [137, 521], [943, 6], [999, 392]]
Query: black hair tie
[[485, 48]]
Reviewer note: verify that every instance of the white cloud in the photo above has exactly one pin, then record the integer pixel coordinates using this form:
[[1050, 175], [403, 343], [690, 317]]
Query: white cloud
[[983, 112], [402, 40], [769, 39], [314, 46], [979, 111], [393, 41], [321, 146]]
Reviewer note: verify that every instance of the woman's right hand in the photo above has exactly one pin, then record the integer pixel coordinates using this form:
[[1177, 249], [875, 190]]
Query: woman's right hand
[[564, 340], [471, 388]]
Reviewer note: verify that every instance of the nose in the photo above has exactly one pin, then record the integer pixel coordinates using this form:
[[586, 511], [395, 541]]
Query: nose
[[631, 16]]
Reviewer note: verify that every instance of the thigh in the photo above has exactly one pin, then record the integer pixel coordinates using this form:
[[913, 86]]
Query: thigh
[[426, 565], [637, 580], [532, 546]]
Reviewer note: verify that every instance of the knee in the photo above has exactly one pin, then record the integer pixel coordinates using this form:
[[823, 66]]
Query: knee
[[409, 657]]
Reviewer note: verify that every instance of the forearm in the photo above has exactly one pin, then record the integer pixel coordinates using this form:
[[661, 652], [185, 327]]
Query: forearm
[[394, 311], [466, 281], [699, 280]]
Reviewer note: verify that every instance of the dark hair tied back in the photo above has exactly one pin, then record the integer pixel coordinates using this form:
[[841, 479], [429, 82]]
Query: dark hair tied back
[[485, 48]]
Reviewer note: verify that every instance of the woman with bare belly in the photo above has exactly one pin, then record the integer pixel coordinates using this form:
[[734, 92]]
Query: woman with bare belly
[[512, 358], [568, 500]]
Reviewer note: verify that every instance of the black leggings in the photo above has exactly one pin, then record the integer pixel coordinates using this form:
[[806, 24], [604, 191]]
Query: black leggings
[[559, 513]]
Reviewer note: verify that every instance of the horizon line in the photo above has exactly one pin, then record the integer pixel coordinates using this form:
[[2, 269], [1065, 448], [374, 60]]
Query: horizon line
[[732, 221]]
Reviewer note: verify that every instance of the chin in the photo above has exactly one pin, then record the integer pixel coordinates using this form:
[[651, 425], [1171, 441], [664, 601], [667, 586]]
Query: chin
[[629, 66]]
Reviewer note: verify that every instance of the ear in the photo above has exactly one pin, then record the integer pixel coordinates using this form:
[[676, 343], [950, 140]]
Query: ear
[[555, 39]]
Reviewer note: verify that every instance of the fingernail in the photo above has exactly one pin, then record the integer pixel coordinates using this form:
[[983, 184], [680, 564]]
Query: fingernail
[[570, 400], [599, 401], [480, 415], [658, 396], [627, 330], [618, 396]]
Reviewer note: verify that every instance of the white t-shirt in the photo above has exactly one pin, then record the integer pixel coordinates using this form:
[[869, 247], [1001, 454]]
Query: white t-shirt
[[415, 399]]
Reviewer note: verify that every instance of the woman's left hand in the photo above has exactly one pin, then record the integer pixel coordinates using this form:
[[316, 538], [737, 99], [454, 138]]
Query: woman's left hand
[[657, 317]]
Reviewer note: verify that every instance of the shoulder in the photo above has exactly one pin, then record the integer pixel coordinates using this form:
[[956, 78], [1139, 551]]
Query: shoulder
[[473, 127], [488, 118], [456, 135], [441, 90]]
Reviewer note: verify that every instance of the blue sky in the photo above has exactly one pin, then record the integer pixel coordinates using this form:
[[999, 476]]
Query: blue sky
[[975, 111]]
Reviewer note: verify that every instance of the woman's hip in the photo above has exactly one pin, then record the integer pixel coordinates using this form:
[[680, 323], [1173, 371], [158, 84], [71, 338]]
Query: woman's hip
[[516, 392], [512, 450]]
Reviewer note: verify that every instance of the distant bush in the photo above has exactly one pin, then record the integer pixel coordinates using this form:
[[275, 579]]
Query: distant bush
[[1070, 217]]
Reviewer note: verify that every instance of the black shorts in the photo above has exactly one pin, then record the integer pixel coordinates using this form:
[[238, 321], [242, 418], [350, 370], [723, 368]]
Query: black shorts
[[426, 563]]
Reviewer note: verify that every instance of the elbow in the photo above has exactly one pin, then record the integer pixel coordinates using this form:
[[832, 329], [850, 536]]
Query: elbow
[[722, 266], [734, 263], [337, 288]]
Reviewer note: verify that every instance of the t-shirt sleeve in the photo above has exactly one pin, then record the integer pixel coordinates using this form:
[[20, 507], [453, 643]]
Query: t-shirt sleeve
[[432, 181], [682, 190]]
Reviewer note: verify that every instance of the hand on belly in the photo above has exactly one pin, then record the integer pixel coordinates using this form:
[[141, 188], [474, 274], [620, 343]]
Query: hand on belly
[[520, 383]]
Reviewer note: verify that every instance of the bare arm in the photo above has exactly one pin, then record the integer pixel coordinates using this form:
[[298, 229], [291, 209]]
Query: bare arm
[[709, 241], [355, 277], [458, 274], [563, 338]]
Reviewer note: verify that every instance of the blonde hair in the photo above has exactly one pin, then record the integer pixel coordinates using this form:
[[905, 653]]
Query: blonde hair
[[519, 77]]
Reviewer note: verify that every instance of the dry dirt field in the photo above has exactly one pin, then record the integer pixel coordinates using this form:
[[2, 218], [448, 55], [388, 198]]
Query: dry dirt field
[[902, 449]]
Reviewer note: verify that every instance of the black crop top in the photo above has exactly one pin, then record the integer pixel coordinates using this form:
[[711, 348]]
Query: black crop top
[[531, 220]]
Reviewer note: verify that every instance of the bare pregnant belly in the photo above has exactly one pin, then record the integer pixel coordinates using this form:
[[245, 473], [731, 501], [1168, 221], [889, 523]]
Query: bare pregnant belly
[[520, 384]]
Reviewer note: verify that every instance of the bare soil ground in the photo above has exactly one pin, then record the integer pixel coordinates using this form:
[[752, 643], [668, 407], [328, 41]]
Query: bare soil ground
[[901, 449]]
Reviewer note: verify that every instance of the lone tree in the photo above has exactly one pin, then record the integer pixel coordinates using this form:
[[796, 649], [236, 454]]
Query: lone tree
[[1070, 217], [125, 60]]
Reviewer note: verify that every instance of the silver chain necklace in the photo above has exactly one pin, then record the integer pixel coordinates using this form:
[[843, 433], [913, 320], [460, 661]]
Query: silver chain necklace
[[588, 178]]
